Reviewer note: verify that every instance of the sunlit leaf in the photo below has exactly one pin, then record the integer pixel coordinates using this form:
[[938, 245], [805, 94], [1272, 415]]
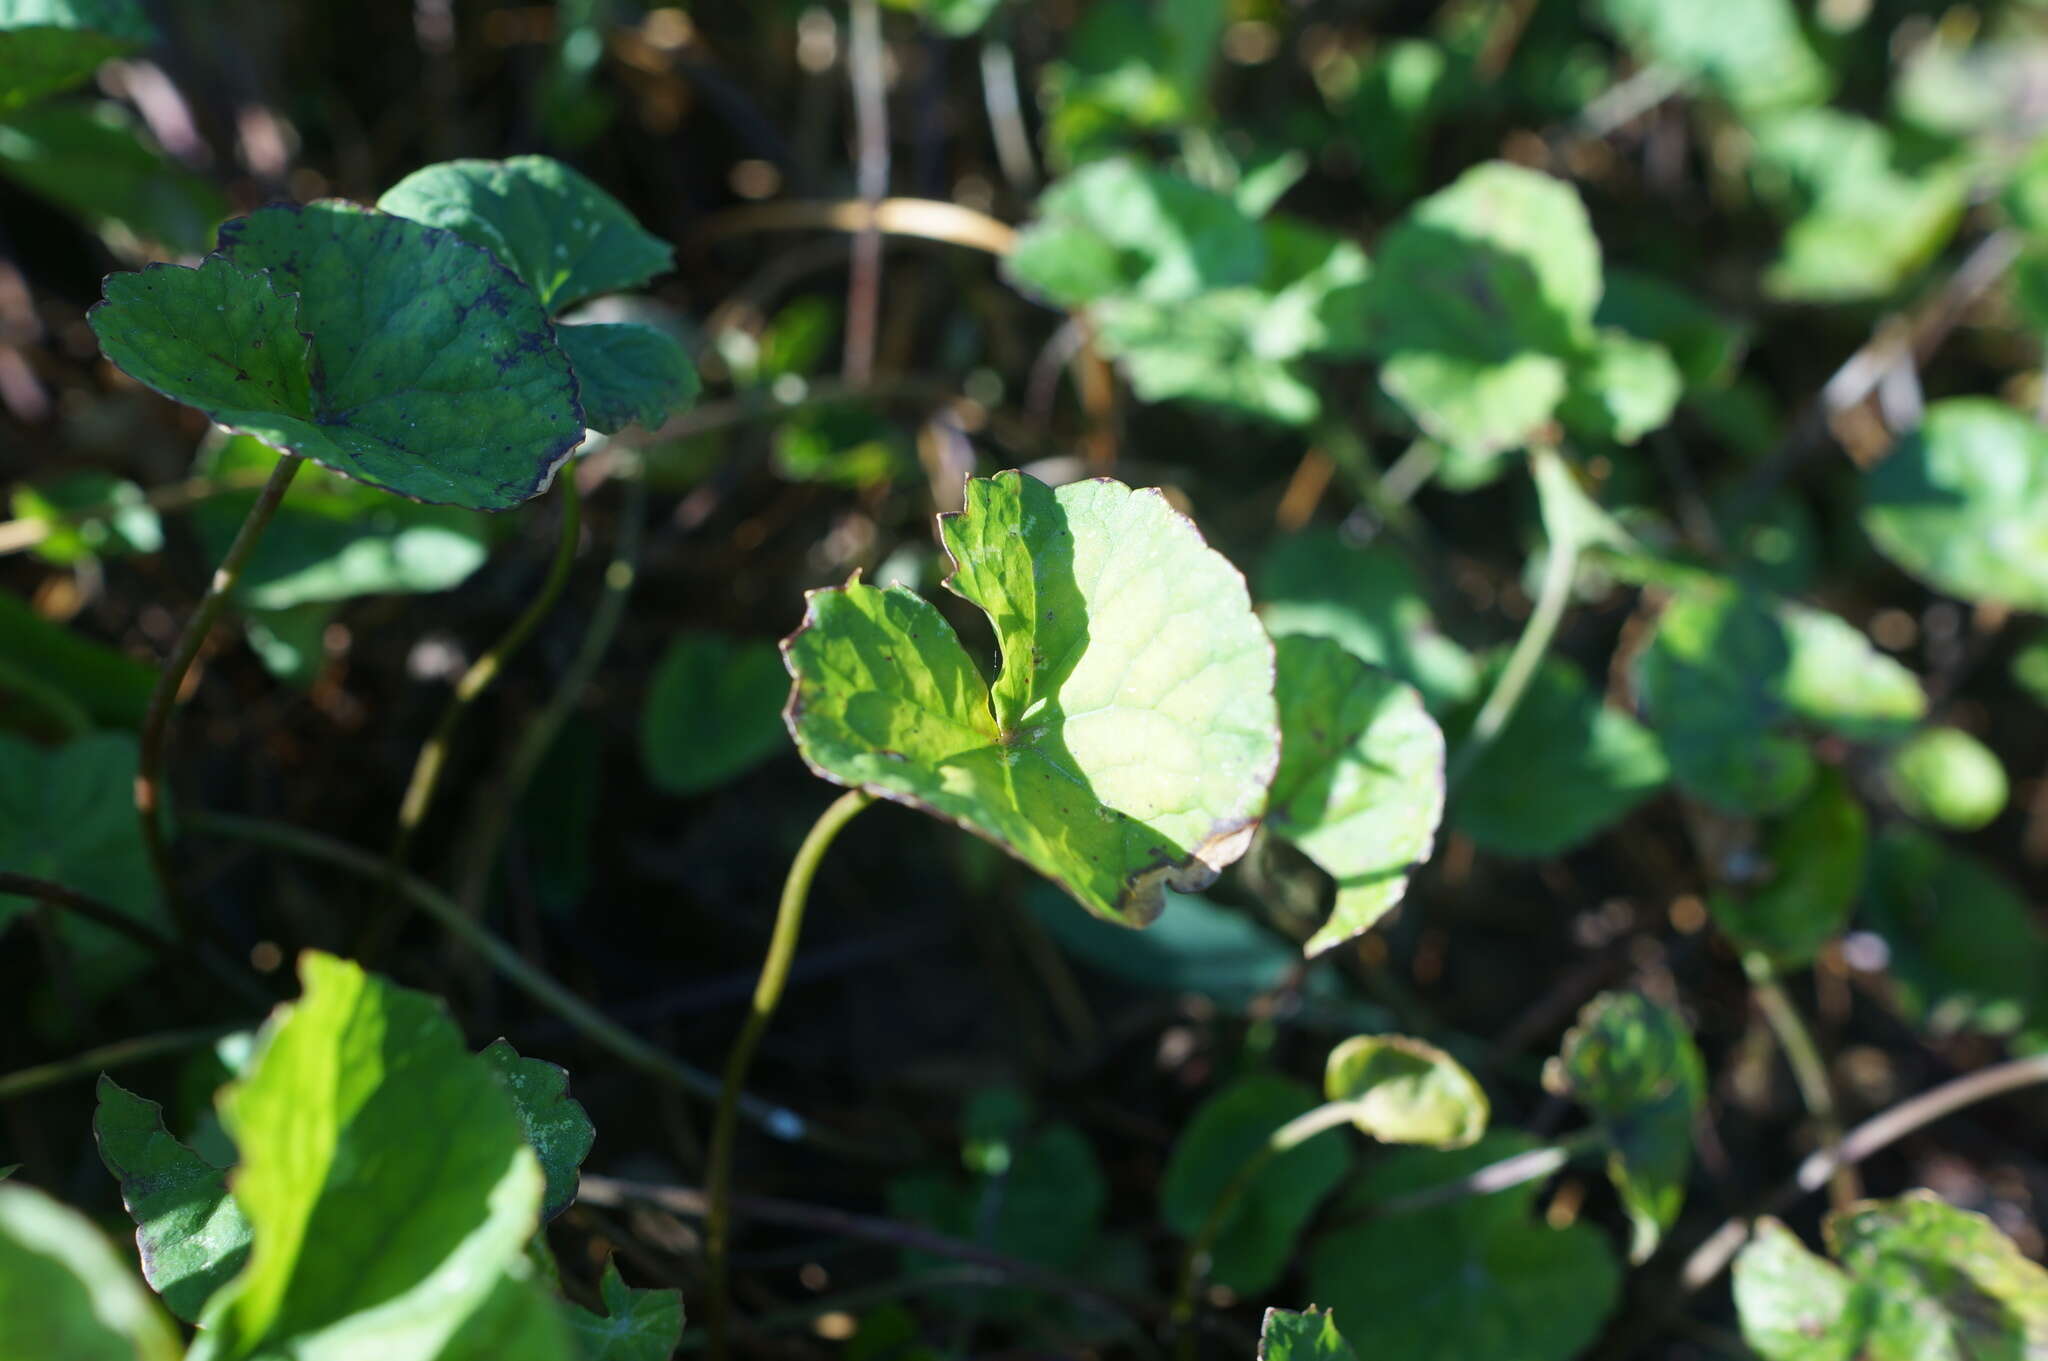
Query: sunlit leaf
[[388, 1187], [48, 45], [714, 711], [1918, 1279], [567, 238], [190, 1232], [1307, 1336], [1753, 53], [1962, 503], [1947, 777], [1360, 788], [65, 1292], [1260, 1229], [123, 521], [1127, 740], [1633, 1065], [1406, 1091], [395, 353]]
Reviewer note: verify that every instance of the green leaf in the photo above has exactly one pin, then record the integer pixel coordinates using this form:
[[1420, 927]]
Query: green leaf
[[1918, 1280], [567, 238], [334, 539], [626, 372], [1361, 783], [1128, 738], [1838, 681], [1482, 295], [1477, 1277], [954, 18], [291, 643], [1632, 1063], [64, 1292], [1813, 858], [1260, 1230], [1704, 344], [395, 353], [1622, 388], [1794, 1305], [49, 45], [1367, 599], [1962, 503], [1564, 769], [1753, 53], [637, 1325], [1407, 1091], [111, 688], [1712, 684], [1309, 1336], [63, 819], [554, 1122], [1947, 777], [846, 443], [93, 161], [714, 711], [1117, 229], [125, 522], [1031, 1193], [388, 1186], [1966, 953], [1868, 210], [189, 1230]]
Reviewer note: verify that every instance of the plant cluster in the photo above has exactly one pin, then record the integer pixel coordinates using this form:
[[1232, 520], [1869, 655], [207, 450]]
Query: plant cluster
[[1573, 705]]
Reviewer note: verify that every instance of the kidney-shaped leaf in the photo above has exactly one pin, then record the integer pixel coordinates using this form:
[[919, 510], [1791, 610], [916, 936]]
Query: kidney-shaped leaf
[[551, 226], [388, 1186], [398, 354], [48, 45], [637, 1325], [627, 372], [1361, 782], [1478, 1277], [191, 1234], [1126, 742], [1962, 503], [1406, 1091], [1917, 1279], [65, 1293], [1269, 1210], [1632, 1063], [713, 711]]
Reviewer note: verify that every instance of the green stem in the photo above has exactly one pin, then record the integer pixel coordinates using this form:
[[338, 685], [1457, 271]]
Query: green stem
[[599, 1029], [433, 756], [116, 1055], [1809, 1069], [163, 700], [1560, 565], [789, 925], [494, 812], [1194, 1263]]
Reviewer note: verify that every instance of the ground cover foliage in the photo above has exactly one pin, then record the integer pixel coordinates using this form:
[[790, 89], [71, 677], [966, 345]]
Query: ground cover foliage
[[934, 678]]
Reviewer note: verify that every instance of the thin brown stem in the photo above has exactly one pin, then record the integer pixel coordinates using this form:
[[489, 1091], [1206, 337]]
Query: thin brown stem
[[1809, 1069], [871, 118], [163, 701]]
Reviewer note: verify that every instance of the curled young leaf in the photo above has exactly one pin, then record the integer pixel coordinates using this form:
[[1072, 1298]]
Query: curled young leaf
[[1406, 1091], [1633, 1065], [1128, 737]]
